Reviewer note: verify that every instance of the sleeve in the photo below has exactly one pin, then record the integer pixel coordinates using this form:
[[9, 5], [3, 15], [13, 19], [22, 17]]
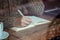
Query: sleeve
[[23, 9], [35, 8]]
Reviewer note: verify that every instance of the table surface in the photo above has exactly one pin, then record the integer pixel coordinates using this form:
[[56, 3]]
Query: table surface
[[29, 31]]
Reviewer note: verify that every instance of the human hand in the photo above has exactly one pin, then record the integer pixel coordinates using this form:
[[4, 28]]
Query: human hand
[[25, 21], [22, 21]]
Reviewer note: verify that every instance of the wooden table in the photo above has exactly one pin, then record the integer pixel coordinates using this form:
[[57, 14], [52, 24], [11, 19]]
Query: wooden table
[[36, 33]]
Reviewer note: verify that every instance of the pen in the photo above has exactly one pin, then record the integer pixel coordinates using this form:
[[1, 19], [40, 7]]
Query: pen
[[20, 12]]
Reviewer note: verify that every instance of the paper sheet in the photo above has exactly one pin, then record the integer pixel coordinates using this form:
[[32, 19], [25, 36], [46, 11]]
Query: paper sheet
[[35, 21]]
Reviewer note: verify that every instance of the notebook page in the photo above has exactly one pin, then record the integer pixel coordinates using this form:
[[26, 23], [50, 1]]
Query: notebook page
[[35, 21]]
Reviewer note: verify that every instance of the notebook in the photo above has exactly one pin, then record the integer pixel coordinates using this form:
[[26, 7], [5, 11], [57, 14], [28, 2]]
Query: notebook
[[35, 21]]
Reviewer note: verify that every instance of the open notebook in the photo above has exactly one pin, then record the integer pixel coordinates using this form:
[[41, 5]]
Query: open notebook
[[35, 21]]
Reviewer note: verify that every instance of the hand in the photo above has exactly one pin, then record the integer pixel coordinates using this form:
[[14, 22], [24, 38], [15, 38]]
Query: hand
[[25, 21], [22, 21]]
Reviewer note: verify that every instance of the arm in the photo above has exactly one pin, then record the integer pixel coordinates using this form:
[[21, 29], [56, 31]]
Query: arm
[[35, 8]]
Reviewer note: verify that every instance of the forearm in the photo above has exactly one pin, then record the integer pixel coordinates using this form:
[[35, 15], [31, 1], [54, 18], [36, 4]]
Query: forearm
[[12, 21], [35, 8]]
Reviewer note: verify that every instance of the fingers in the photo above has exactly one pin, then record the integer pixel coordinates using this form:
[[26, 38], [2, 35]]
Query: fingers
[[25, 21], [28, 20], [22, 22]]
